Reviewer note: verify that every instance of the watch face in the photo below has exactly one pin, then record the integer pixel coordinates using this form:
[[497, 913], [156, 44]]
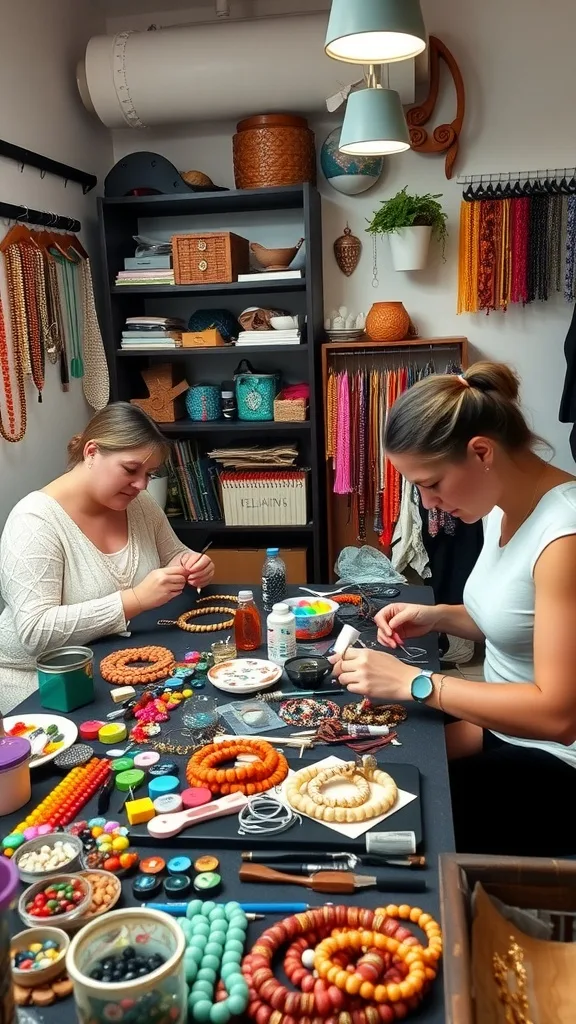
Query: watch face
[[422, 688]]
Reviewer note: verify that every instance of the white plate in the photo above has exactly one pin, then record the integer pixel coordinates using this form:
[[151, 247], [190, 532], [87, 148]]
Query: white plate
[[244, 675], [42, 721]]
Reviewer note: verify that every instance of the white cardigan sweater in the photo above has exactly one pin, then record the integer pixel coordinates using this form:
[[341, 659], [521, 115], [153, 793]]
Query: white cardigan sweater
[[59, 589]]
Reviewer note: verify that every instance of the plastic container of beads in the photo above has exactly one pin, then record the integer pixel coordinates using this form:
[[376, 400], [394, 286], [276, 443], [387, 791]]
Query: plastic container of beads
[[68, 921], [39, 975], [159, 995], [15, 785], [312, 624]]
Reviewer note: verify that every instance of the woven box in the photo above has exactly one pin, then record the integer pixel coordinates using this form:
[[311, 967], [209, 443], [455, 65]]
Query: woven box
[[290, 410], [273, 149], [264, 498], [212, 258]]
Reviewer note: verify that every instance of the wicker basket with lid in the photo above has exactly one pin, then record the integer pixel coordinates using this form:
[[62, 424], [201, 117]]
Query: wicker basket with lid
[[273, 149]]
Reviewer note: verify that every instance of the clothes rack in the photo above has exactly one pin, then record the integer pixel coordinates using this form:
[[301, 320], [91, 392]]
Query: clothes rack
[[45, 164], [23, 215], [351, 513]]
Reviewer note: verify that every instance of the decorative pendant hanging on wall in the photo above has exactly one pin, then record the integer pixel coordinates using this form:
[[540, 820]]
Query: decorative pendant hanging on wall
[[444, 138], [347, 250], [349, 175]]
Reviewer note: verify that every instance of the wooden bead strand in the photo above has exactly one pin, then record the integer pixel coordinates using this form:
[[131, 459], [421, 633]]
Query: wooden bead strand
[[183, 623], [154, 663]]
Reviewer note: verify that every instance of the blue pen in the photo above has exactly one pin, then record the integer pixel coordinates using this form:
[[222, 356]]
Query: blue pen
[[179, 909]]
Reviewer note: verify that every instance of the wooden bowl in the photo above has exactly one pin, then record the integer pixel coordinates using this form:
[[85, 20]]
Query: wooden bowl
[[23, 940], [274, 259]]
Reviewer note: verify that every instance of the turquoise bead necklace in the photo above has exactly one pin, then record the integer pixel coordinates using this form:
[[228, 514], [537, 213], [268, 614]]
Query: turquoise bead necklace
[[215, 939]]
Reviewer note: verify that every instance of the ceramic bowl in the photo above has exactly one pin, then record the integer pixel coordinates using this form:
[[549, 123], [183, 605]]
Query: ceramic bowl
[[41, 976], [68, 921], [313, 627], [308, 672], [283, 323], [274, 259], [113, 882], [50, 840]]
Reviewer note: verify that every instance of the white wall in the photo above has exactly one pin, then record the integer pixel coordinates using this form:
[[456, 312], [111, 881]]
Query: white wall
[[515, 59], [40, 42]]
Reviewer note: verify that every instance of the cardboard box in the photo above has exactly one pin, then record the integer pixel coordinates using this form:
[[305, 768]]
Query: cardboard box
[[210, 338], [244, 566]]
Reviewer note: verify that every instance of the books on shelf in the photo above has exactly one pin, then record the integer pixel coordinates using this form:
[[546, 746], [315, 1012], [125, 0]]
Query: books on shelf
[[145, 333], [290, 337], [195, 478], [145, 277], [272, 275]]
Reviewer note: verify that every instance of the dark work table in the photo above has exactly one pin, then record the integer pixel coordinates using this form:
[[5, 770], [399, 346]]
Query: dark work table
[[422, 745]]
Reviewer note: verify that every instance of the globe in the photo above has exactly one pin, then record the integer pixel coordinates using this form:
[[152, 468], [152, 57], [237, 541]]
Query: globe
[[350, 175]]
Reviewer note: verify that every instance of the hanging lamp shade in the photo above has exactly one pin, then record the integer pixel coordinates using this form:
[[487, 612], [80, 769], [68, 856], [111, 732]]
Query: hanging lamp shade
[[375, 31], [374, 124]]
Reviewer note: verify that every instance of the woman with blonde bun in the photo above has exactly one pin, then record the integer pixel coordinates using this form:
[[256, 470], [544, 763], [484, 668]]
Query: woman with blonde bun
[[465, 443], [89, 552]]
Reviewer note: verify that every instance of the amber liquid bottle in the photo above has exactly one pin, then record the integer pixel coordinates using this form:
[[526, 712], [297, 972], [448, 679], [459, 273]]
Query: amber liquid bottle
[[247, 623]]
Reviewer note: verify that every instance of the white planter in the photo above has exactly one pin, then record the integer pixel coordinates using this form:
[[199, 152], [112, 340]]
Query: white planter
[[409, 247], [158, 488]]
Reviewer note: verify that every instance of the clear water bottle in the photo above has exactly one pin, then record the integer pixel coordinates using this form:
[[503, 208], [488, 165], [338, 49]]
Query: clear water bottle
[[273, 579]]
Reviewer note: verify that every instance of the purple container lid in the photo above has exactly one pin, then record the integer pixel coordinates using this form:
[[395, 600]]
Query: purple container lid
[[14, 750], [8, 882]]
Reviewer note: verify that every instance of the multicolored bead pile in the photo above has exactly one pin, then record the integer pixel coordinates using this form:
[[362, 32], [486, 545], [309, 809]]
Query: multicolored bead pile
[[59, 898], [215, 936], [61, 805], [346, 964], [54, 738], [305, 607], [38, 955], [106, 845]]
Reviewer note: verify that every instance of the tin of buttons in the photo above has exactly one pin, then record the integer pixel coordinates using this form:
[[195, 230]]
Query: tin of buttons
[[179, 865], [206, 863], [146, 885], [208, 881], [152, 865], [146, 759], [162, 786], [177, 886], [168, 804], [164, 768]]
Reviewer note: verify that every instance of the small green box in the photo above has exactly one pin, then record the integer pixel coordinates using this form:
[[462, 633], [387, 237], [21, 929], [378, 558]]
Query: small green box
[[66, 678]]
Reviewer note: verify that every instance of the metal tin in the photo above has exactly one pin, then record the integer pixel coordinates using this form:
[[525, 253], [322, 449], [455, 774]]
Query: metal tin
[[66, 678]]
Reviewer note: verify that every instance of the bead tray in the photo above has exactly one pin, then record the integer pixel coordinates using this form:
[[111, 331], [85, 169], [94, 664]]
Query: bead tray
[[223, 832]]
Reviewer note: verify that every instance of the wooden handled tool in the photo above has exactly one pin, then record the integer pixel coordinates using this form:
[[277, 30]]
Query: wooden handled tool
[[341, 882]]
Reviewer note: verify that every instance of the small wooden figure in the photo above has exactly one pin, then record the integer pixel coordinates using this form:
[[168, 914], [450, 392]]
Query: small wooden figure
[[164, 404]]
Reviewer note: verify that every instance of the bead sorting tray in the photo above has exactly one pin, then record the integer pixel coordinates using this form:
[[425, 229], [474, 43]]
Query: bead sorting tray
[[311, 835]]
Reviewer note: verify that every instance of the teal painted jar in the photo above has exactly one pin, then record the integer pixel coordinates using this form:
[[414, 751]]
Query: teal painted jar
[[203, 402], [66, 678]]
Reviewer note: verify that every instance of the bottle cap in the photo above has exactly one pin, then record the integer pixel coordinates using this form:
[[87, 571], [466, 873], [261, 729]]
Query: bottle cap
[[245, 595], [280, 609], [272, 551]]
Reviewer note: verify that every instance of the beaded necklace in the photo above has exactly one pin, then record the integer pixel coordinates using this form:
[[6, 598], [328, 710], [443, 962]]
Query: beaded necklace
[[519, 231], [96, 382], [342, 474], [331, 415], [17, 304], [57, 321], [31, 303], [569, 273], [362, 420], [10, 433], [488, 254]]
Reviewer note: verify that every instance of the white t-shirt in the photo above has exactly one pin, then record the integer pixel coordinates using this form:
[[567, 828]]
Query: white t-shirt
[[499, 595]]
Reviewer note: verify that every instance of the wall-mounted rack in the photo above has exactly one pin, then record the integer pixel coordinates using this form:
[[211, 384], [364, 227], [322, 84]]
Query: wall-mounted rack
[[45, 164], [23, 215], [501, 177]]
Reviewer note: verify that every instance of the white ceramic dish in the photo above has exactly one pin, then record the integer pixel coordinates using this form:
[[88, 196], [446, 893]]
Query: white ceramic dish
[[42, 721], [345, 335], [244, 675], [284, 323]]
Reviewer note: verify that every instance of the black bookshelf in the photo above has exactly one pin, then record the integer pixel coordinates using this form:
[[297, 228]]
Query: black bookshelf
[[120, 219]]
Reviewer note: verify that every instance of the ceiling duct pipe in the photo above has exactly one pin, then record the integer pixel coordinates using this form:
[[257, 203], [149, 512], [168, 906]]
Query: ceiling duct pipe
[[224, 70], [222, 8]]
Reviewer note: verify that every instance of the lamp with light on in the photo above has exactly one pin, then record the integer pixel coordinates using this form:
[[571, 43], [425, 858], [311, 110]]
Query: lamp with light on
[[375, 31], [374, 124]]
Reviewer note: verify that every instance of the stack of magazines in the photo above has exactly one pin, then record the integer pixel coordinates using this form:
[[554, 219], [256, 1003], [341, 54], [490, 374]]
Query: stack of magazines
[[195, 477], [146, 333]]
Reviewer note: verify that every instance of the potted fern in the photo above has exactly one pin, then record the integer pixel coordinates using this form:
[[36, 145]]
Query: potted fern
[[410, 221]]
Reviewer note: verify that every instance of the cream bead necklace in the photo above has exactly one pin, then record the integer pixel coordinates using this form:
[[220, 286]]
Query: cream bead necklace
[[304, 792]]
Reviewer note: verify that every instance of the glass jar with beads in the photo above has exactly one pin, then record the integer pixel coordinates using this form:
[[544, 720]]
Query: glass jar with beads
[[129, 966]]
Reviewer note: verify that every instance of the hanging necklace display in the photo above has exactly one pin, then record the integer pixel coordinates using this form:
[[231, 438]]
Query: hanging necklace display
[[347, 251], [9, 431]]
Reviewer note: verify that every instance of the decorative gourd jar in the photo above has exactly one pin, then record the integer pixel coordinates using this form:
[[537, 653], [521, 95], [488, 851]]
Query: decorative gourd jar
[[387, 321]]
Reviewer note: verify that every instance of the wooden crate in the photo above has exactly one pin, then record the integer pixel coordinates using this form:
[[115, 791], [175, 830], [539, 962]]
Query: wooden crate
[[531, 883], [215, 257], [290, 410]]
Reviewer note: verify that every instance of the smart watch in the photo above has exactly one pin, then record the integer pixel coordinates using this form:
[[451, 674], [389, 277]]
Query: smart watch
[[422, 687]]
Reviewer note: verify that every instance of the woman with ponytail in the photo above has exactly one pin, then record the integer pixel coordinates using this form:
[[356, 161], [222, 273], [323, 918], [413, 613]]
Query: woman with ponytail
[[465, 443], [91, 551]]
